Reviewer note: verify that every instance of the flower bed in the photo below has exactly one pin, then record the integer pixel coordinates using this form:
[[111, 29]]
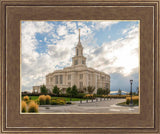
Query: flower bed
[[134, 98]]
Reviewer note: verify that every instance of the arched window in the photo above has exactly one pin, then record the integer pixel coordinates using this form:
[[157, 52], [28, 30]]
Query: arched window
[[77, 52], [76, 62]]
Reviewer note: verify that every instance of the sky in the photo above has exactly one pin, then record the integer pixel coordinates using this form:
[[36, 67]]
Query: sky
[[109, 46]]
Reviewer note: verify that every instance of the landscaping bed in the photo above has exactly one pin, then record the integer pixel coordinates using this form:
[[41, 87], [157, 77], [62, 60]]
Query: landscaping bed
[[135, 100]]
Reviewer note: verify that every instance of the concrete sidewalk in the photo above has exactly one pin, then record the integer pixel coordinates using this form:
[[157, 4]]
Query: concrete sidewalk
[[104, 106]]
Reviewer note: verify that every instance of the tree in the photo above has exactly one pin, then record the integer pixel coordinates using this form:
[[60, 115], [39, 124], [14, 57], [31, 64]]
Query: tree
[[74, 90], [68, 91], [99, 91], [84, 89], [119, 92], [90, 89], [107, 91], [43, 89], [56, 90]]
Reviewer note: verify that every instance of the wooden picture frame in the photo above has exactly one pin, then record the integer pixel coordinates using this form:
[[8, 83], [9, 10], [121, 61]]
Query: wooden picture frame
[[13, 11]]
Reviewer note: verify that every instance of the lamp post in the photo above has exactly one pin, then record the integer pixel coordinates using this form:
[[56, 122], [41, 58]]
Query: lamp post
[[131, 102]]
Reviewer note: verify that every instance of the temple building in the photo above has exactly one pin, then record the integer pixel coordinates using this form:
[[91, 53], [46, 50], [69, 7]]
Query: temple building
[[77, 74]]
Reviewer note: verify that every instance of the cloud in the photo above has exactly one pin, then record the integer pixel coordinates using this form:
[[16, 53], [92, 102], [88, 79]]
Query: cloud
[[118, 81], [32, 65], [104, 24], [115, 57], [119, 55], [62, 30]]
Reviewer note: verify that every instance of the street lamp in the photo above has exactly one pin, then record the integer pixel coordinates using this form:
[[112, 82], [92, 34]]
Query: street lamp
[[131, 102]]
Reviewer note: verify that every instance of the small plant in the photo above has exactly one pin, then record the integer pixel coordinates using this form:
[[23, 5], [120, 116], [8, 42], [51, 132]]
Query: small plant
[[104, 96], [61, 102], [33, 107], [37, 101], [54, 102], [89, 96], [26, 98], [42, 99], [48, 99], [23, 107], [68, 102], [58, 102]]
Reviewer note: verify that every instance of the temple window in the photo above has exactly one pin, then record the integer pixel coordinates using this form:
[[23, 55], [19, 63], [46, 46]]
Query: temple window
[[61, 79], [81, 76], [69, 84], [76, 62], [77, 52], [56, 79], [69, 77], [81, 85]]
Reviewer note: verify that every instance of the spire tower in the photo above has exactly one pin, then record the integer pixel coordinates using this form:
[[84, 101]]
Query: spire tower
[[79, 59]]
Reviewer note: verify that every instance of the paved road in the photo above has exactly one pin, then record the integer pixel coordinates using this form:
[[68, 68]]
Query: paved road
[[104, 106]]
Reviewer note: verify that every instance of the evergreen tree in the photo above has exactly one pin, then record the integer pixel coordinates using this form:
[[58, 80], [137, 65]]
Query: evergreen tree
[[90, 89], [74, 90], [68, 91], [56, 90], [43, 89], [119, 92], [107, 91]]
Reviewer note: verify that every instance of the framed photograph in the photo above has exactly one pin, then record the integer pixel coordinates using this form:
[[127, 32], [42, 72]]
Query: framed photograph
[[80, 63], [79, 67]]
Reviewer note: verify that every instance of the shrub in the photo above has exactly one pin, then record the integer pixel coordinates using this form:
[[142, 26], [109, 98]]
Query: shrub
[[64, 95], [134, 98], [58, 102], [26, 98], [33, 107], [89, 96], [54, 102], [80, 95], [42, 99], [104, 96], [23, 107], [48, 99], [68, 102], [118, 96], [37, 101], [61, 101]]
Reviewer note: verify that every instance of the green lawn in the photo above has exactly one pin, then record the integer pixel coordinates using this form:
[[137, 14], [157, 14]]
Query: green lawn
[[66, 98]]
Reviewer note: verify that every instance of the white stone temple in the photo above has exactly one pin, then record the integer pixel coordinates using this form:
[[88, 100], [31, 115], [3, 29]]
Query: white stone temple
[[77, 74]]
